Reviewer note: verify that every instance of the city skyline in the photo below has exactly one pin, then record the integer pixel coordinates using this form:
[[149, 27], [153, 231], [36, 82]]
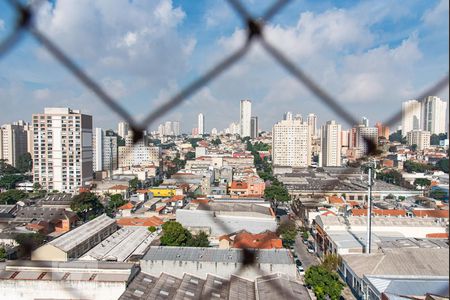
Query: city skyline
[[343, 63]]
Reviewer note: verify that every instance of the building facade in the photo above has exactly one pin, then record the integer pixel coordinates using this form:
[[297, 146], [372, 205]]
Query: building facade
[[254, 127], [62, 155], [291, 144], [312, 123], [245, 117], [105, 155], [411, 116], [138, 154], [122, 129], [434, 112], [420, 138], [331, 145], [201, 124], [14, 139]]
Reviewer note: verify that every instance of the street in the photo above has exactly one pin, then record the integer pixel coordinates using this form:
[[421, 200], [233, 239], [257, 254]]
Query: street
[[305, 257]]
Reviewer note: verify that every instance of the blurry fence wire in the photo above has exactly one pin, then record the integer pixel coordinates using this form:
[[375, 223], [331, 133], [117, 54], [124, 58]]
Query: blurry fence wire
[[255, 33]]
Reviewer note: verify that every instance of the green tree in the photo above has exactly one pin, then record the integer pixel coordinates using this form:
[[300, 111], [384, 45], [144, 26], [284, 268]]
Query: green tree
[[437, 194], [134, 183], [2, 253], [29, 241], [331, 262], [325, 284], [24, 163], [9, 181], [174, 234], [413, 147], [199, 240], [411, 166], [190, 155], [6, 168], [396, 137], [151, 229], [424, 182], [442, 164], [216, 142], [305, 235], [12, 196], [86, 205], [277, 192], [36, 187], [288, 232], [116, 201]]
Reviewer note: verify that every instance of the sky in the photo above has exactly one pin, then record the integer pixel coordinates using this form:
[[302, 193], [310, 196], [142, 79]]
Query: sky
[[370, 55]]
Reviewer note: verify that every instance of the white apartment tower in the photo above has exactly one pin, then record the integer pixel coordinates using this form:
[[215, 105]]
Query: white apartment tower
[[14, 139], [411, 116], [201, 124], [62, 155], [122, 129], [420, 138], [363, 135], [291, 144], [245, 117], [105, 154], [176, 128], [254, 128], [312, 123], [138, 154], [331, 145], [434, 112]]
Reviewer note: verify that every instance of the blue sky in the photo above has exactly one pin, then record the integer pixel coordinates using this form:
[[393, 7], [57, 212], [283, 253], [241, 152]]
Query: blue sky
[[371, 55]]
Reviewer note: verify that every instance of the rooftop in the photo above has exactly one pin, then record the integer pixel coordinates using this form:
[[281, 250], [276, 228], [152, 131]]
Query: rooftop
[[152, 221], [121, 245], [145, 286], [401, 262], [273, 256], [71, 239]]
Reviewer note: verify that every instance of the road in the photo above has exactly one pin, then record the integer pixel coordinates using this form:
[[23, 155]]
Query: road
[[305, 257]]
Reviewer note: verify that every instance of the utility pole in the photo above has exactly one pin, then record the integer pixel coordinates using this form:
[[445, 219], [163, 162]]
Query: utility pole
[[369, 209]]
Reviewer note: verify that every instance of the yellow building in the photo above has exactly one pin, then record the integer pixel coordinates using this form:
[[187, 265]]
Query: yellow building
[[162, 192]]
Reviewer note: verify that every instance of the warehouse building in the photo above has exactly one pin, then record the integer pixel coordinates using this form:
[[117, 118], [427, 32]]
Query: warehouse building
[[222, 262], [64, 280], [76, 242]]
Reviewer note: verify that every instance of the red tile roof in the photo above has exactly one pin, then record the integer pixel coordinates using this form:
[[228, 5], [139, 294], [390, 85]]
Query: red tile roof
[[264, 240], [152, 221], [238, 185], [119, 187], [380, 212], [335, 200], [432, 213], [440, 235], [127, 205]]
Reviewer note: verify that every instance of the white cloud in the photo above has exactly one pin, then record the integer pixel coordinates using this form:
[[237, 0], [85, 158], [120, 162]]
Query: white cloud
[[42, 94], [437, 15], [128, 38]]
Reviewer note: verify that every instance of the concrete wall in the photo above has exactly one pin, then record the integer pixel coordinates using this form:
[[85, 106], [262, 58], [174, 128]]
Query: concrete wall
[[48, 252], [224, 224], [223, 269], [61, 290]]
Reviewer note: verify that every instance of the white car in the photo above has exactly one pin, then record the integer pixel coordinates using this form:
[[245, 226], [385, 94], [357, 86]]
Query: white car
[[301, 270], [311, 250]]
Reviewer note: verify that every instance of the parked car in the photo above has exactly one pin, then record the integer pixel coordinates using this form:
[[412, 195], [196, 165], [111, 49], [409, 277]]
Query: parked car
[[300, 268], [311, 250]]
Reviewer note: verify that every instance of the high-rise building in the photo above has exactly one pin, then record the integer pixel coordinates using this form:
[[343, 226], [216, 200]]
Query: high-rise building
[[234, 128], [201, 124], [330, 155], [176, 128], [168, 128], [105, 153], [420, 138], [365, 135], [291, 144], [365, 122], [245, 117], [434, 112], [14, 140], [138, 154], [411, 116], [287, 115], [214, 131], [254, 127], [383, 131], [298, 117], [122, 129], [312, 123], [62, 158]]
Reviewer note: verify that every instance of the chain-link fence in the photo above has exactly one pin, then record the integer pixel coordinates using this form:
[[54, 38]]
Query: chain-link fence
[[255, 34]]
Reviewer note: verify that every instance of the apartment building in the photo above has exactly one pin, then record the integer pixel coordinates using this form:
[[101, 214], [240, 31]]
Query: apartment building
[[62, 154]]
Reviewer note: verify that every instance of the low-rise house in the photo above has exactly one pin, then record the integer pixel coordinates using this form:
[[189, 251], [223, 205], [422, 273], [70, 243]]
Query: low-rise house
[[247, 240], [135, 221]]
